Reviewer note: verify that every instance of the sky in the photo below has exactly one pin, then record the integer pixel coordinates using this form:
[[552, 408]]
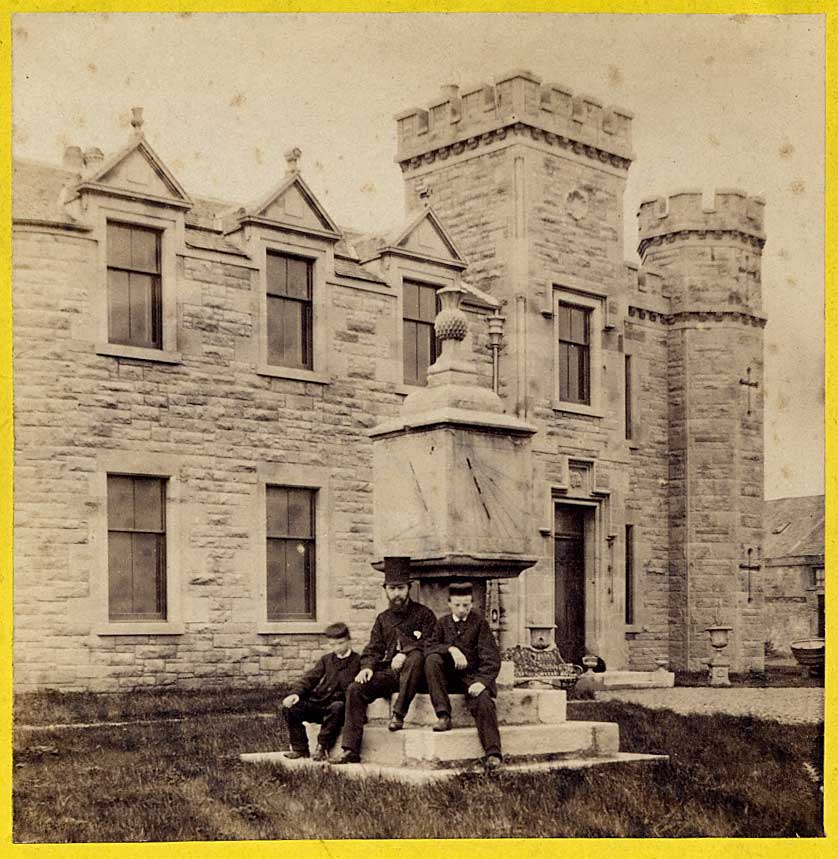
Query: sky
[[718, 102]]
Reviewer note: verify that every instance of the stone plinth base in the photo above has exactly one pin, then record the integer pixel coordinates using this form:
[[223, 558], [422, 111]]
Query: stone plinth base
[[425, 748], [625, 680], [514, 707], [425, 775], [535, 734]]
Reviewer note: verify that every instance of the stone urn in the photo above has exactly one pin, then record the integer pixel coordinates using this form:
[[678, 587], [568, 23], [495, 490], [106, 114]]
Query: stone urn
[[542, 637], [719, 665], [719, 635]]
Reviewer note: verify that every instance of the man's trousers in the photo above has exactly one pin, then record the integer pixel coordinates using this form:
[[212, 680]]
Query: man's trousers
[[330, 718], [382, 684], [443, 678]]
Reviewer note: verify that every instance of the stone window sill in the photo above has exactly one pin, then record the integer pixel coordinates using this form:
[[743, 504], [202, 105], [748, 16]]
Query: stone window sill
[[139, 353], [141, 628], [577, 409], [404, 390], [289, 627], [292, 373]]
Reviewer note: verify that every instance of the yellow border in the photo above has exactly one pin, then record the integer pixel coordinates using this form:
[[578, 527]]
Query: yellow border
[[634, 848]]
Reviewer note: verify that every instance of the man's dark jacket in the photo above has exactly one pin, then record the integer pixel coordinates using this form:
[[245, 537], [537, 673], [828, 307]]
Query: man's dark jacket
[[398, 632], [474, 638], [327, 681]]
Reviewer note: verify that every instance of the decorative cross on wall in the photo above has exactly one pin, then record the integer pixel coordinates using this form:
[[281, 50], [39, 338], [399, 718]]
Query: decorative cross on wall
[[747, 382], [750, 567]]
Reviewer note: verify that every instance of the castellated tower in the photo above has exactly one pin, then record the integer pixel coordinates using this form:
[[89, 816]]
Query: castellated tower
[[528, 178], [710, 261]]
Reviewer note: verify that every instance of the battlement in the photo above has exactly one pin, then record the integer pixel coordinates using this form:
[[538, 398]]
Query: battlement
[[684, 212], [465, 118]]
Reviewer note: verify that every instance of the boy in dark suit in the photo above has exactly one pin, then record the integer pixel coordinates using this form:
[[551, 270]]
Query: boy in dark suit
[[319, 696], [463, 656], [393, 661]]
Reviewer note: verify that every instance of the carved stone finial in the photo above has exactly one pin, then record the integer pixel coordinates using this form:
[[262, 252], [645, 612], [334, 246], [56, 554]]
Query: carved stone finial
[[424, 193], [450, 323], [137, 120], [292, 159]]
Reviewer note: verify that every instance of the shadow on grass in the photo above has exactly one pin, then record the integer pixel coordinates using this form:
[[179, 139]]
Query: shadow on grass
[[183, 781]]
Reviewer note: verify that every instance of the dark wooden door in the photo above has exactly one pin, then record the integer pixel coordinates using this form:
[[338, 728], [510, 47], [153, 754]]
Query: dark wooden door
[[570, 581]]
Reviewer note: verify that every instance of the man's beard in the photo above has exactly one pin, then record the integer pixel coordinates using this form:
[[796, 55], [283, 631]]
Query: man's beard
[[398, 602]]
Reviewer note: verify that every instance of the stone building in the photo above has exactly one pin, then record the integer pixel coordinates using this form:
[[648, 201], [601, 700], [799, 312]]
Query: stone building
[[794, 580], [196, 382]]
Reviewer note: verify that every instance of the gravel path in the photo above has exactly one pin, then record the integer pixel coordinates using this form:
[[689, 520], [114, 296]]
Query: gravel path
[[790, 705]]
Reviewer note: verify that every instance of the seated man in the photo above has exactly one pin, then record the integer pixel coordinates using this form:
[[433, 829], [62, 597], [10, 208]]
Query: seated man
[[319, 696], [463, 656], [393, 661]]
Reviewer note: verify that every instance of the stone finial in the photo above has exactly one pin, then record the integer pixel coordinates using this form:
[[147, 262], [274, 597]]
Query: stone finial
[[450, 322], [424, 193], [93, 157], [292, 159], [137, 121], [73, 159]]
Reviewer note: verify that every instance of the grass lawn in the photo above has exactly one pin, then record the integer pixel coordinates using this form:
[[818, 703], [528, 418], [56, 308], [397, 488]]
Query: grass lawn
[[182, 780]]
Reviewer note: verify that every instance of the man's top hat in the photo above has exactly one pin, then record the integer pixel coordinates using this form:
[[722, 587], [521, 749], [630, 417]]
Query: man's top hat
[[397, 570]]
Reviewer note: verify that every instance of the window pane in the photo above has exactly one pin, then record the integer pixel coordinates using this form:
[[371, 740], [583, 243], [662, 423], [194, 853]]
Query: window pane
[[277, 272], [564, 374], [409, 352], [584, 374], [579, 325], [118, 303], [119, 574], [423, 352], [627, 394], [144, 250], [147, 565], [277, 512], [295, 571], [298, 278], [276, 578], [564, 322], [285, 341], [427, 303], [290, 579], [141, 312], [148, 504], [411, 300], [120, 502], [119, 245], [300, 505], [573, 373]]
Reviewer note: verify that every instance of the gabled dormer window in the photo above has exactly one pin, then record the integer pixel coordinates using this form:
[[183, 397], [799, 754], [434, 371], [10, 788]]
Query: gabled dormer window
[[135, 307]]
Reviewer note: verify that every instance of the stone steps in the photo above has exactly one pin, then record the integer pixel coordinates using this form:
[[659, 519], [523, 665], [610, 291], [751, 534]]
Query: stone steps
[[424, 747], [514, 707]]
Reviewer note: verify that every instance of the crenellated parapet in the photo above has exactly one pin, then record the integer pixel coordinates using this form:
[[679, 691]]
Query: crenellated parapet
[[517, 103], [683, 216]]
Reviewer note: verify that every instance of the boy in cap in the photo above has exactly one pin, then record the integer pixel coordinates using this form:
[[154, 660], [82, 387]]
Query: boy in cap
[[463, 656], [319, 696], [393, 660]]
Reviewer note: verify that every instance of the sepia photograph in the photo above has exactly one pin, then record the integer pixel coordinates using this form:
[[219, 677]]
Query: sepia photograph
[[418, 426]]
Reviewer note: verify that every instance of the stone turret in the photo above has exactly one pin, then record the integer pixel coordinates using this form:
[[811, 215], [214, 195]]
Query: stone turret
[[710, 259]]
